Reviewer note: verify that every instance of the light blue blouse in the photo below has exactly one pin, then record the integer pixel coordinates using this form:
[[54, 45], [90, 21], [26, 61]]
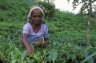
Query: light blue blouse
[[34, 37]]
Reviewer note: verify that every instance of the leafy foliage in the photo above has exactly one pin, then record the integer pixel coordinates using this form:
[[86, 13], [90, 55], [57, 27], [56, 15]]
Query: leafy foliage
[[86, 5], [66, 38], [13, 10], [49, 8]]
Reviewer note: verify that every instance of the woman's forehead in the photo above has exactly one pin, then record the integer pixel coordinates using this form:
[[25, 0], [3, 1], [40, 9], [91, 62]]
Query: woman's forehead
[[36, 11]]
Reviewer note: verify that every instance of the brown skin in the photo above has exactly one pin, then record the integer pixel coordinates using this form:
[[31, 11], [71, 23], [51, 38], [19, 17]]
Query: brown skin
[[36, 20], [36, 25], [26, 45], [41, 44]]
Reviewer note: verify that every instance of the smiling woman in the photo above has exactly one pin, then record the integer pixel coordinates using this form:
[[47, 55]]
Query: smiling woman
[[64, 5]]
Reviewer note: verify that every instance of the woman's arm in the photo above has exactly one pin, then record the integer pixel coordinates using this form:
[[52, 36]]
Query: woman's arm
[[26, 44]]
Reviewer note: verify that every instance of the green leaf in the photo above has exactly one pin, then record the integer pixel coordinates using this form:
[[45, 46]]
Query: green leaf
[[52, 55], [13, 61], [23, 55]]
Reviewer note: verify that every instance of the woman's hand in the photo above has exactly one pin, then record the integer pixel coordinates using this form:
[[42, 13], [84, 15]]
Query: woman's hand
[[38, 43], [30, 51], [41, 44], [26, 45]]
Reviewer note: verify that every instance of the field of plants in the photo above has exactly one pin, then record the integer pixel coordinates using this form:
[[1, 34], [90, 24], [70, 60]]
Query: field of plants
[[67, 37]]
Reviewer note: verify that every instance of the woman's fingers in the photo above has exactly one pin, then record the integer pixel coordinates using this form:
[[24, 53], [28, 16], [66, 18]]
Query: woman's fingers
[[41, 44], [30, 51]]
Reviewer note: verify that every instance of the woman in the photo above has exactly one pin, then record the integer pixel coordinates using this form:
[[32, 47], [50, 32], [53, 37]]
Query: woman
[[34, 30]]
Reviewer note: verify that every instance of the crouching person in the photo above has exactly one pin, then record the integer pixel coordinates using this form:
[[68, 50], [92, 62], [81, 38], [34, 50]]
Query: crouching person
[[35, 31]]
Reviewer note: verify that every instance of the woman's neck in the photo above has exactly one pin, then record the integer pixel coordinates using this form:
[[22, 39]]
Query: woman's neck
[[36, 25], [36, 28]]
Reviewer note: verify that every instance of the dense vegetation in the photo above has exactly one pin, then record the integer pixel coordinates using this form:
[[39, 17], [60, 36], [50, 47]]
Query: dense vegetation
[[67, 36]]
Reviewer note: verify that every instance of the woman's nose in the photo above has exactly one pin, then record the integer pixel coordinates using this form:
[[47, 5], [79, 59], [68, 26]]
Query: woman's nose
[[36, 18]]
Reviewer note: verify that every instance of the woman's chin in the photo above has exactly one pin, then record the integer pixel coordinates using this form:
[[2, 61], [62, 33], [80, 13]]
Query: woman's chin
[[37, 24]]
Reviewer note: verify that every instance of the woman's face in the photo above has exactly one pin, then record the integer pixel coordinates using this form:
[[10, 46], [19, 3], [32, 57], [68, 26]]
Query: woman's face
[[36, 16]]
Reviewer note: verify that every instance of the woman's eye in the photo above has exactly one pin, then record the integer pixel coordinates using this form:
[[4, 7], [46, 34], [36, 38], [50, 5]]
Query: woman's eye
[[37, 16], [34, 16]]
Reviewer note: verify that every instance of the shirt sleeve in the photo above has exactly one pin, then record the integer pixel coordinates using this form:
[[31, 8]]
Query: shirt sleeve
[[46, 33], [26, 28]]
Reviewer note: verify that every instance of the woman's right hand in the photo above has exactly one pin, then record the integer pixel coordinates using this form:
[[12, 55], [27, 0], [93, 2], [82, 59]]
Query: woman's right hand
[[30, 51]]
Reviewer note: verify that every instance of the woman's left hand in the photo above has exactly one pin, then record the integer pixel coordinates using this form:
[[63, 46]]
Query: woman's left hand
[[41, 44]]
